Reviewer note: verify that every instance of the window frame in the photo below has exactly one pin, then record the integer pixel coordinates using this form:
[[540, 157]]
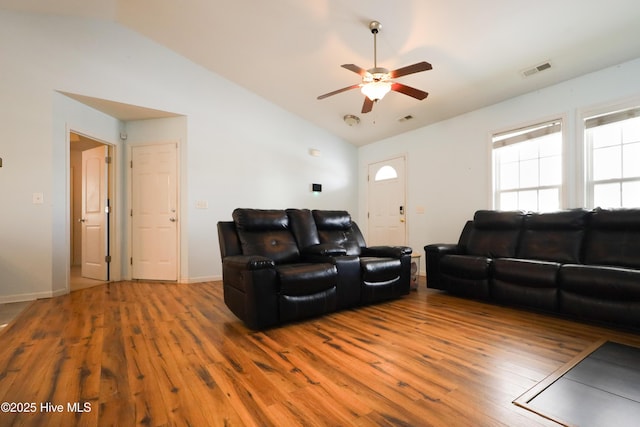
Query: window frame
[[584, 142], [557, 119]]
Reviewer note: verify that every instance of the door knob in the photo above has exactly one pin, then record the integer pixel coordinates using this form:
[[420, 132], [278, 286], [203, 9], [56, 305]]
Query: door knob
[[82, 220], [172, 219]]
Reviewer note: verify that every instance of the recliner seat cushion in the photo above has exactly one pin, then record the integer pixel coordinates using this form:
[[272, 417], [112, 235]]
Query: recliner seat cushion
[[379, 270], [306, 290], [306, 279], [296, 307], [532, 273], [465, 266], [605, 283], [609, 294], [529, 283]]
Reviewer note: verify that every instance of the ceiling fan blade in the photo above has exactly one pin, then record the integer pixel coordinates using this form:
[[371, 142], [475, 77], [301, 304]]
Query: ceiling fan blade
[[410, 69], [354, 68], [367, 106], [335, 92], [408, 90]]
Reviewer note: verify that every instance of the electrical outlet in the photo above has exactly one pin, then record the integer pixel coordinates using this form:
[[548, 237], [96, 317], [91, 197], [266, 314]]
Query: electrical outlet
[[202, 204]]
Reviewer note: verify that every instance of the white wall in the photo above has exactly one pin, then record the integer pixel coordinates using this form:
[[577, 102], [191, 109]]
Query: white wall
[[449, 163], [239, 149]]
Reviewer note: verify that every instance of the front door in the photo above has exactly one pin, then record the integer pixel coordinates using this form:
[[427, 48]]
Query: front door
[[94, 215], [154, 212], [387, 205]]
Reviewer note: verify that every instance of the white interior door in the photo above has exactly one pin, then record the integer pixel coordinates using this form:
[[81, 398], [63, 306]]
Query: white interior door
[[387, 204], [154, 214], [94, 215]]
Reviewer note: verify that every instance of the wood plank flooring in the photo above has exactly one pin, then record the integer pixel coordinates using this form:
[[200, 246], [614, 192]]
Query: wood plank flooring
[[133, 353]]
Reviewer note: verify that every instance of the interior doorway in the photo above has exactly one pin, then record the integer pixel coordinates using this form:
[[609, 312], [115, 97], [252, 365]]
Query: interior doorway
[[91, 195]]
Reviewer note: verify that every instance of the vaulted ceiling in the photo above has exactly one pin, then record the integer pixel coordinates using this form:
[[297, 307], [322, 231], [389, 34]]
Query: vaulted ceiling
[[290, 51]]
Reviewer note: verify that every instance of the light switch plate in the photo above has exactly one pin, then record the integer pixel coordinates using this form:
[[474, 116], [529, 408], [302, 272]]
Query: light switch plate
[[202, 204]]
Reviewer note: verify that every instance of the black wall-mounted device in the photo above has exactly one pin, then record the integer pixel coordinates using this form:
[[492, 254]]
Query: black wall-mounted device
[[316, 188]]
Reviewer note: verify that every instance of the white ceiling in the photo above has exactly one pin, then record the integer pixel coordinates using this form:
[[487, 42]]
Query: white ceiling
[[290, 51]]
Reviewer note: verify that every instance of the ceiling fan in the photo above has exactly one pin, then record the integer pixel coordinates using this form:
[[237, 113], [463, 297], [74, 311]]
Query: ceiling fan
[[378, 81]]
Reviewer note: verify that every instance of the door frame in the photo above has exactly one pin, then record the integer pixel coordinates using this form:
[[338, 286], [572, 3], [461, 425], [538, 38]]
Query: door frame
[[114, 230], [129, 175], [404, 191]]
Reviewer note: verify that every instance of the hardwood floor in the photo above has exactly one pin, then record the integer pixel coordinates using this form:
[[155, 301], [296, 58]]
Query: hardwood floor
[[132, 353]]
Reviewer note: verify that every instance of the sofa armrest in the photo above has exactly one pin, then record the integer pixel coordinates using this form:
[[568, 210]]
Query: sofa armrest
[[248, 262], [323, 250], [434, 253], [251, 289], [443, 249], [387, 251]]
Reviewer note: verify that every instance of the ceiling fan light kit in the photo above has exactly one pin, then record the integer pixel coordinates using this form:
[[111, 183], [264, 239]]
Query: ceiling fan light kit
[[351, 120], [378, 81], [376, 85]]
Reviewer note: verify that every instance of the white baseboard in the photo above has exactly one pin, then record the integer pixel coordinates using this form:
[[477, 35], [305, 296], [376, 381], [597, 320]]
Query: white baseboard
[[200, 279], [4, 299]]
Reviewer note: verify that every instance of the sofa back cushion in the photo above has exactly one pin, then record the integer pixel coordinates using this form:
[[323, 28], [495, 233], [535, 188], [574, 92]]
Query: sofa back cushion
[[266, 233], [336, 227], [303, 227], [554, 236], [494, 234], [614, 238]]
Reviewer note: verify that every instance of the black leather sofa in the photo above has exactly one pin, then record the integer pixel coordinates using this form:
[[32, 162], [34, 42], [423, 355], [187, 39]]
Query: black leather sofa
[[581, 263], [280, 266]]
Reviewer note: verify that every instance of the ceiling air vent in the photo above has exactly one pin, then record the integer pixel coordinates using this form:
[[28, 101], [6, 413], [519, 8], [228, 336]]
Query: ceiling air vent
[[405, 118], [538, 68]]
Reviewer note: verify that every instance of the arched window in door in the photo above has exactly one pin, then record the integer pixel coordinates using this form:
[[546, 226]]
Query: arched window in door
[[386, 172]]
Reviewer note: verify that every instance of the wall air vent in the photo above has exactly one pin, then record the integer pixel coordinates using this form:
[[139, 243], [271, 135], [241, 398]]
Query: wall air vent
[[534, 70], [405, 118]]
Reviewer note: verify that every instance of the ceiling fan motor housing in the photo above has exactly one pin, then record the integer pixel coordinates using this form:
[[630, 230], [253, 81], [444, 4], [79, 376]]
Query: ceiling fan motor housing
[[377, 74], [375, 27]]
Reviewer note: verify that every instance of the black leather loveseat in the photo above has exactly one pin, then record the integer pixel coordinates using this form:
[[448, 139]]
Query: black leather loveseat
[[582, 263], [284, 265]]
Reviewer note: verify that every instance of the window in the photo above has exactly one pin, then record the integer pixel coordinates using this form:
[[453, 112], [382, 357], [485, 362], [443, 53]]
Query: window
[[612, 145], [386, 172], [527, 165]]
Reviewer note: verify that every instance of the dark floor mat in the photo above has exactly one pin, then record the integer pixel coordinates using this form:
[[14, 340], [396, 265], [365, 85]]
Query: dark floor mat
[[600, 388]]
